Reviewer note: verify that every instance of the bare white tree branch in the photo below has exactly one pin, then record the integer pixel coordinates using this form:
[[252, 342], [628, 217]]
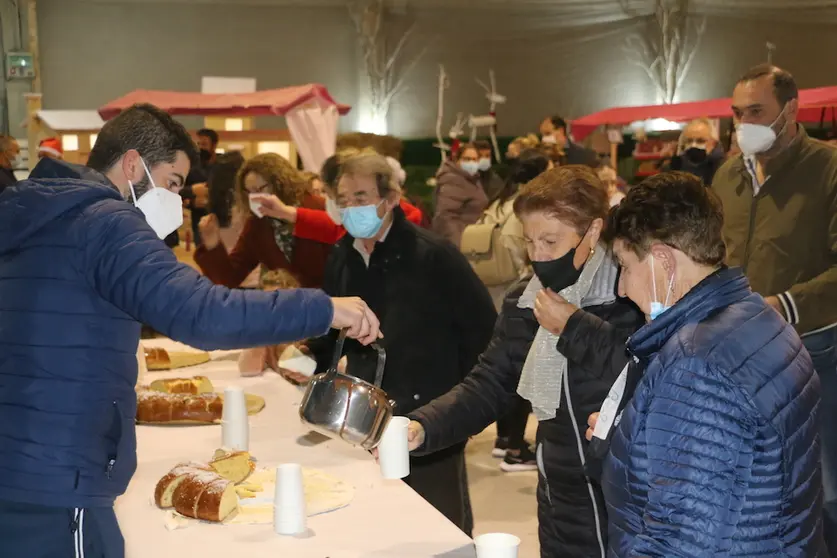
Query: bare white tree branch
[[383, 65], [666, 50]]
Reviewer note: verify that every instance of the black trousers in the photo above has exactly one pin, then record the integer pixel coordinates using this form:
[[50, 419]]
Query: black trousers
[[442, 480], [513, 424], [30, 531]]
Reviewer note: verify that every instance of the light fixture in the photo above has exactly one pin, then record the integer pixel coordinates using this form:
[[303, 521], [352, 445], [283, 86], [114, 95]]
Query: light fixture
[[69, 142], [282, 148], [233, 124], [372, 123]]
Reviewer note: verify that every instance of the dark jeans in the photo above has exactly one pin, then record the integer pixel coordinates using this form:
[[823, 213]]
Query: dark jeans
[[30, 531], [441, 479], [513, 424], [823, 349]]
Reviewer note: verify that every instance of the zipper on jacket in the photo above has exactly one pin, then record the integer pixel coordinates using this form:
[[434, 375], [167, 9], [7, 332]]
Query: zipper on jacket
[[580, 447]]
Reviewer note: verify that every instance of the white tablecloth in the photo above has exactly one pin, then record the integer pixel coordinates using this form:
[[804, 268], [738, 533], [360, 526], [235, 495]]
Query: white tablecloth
[[385, 519]]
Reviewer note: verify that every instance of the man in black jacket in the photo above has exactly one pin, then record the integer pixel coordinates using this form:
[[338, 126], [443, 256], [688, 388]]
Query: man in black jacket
[[9, 152], [554, 132], [436, 315]]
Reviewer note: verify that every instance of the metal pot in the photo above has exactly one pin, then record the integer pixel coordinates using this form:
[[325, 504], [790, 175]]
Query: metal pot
[[345, 407]]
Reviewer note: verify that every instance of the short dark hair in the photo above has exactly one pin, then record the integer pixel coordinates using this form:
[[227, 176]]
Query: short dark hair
[[152, 132], [671, 208], [572, 194], [330, 171], [784, 86], [528, 165], [558, 122], [482, 145], [221, 185], [209, 133]]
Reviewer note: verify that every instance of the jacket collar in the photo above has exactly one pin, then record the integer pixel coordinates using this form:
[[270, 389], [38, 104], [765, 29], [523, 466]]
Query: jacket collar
[[717, 291]]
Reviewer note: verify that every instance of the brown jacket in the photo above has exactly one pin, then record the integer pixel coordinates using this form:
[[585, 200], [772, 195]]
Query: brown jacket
[[257, 245], [785, 236], [460, 201]]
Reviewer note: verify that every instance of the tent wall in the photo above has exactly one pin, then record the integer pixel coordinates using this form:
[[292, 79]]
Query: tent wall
[[541, 68]]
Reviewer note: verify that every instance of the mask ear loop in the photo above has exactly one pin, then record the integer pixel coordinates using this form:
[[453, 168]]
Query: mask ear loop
[[133, 195], [653, 282], [670, 289], [148, 173]]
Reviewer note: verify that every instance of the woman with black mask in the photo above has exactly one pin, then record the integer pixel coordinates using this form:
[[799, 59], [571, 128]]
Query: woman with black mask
[[562, 212]]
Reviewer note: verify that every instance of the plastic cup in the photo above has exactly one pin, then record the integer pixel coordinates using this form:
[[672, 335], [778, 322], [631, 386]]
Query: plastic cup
[[394, 451], [289, 517], [235, 422], [497, 545]]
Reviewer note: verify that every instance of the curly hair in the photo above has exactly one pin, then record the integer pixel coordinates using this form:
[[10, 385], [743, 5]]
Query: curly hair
[[572, 194], [285, 181], [672, 208]]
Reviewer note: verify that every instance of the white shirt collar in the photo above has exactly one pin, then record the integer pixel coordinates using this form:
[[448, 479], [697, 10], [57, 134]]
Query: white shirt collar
[[361, 249]]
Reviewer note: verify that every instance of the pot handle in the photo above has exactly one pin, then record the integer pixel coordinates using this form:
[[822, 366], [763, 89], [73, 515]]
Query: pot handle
[[382, 360], [338, 352]]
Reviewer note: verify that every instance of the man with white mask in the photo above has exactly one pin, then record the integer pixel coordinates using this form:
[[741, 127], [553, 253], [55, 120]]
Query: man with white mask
[[81, 267], [780, 225]]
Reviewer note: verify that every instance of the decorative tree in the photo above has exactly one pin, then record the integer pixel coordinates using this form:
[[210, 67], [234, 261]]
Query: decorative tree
[[382, 65], [666, 49]]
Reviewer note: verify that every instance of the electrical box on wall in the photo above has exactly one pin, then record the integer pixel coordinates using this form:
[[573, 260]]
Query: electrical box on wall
[[20, 65]]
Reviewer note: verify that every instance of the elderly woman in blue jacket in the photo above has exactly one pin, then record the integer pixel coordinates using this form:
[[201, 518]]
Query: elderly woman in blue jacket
[[716, 453]]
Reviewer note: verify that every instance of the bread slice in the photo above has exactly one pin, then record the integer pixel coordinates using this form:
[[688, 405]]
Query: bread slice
[[234, 466], [205, 495], [195, 385], [166, 486]]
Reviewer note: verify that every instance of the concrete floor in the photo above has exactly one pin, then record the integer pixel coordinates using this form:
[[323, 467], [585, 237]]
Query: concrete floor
[[503, 502]]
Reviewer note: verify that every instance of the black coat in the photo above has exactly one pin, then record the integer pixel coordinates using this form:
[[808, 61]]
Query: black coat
[[436, 315], [594, 336], [7, 178]]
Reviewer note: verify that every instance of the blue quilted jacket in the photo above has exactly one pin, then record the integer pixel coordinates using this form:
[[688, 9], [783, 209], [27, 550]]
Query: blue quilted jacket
[[79, 271], [718, 452]]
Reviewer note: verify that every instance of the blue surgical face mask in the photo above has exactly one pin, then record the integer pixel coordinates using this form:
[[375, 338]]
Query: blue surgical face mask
[[470, 167], [362, 221], [657, 307]]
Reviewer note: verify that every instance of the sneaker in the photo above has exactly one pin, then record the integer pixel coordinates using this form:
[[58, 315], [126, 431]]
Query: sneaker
[[500, 447], [524, 461]]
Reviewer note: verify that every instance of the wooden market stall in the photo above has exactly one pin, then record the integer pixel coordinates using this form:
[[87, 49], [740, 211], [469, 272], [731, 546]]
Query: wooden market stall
[[310, 111]]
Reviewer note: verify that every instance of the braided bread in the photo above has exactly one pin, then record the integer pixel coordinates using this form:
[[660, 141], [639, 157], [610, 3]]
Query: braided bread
[[154, 406], [196, 491]]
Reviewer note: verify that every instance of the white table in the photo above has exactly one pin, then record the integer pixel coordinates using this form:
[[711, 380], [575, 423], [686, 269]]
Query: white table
[[386, 519]]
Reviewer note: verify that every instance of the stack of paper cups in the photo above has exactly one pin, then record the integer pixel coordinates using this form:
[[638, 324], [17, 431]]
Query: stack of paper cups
[[235, 424], [497, 545], [289, 502], [394, 450]]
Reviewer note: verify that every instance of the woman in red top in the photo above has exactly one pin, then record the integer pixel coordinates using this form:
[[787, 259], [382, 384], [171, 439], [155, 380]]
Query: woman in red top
[[267, 241]]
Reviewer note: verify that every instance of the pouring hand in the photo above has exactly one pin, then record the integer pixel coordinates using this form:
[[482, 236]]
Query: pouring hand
[[353, 313]]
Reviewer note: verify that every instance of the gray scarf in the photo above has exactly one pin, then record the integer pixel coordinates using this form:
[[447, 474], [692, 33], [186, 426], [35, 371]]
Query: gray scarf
[[543, 372]]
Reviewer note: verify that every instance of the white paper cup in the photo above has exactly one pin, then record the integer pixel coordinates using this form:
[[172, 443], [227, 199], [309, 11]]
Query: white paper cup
[[289, 517], [497, 545], [394, 451], [235, 423]]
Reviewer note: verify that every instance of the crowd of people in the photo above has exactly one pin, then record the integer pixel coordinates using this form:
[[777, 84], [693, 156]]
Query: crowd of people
[[675, 339]]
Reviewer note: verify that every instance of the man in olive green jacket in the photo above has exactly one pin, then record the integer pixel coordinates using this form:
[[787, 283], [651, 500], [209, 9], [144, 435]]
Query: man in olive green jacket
[[780, 225]]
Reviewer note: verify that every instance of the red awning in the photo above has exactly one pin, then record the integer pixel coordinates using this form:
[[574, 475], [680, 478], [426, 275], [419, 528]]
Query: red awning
[[271, 102], [812, 104]]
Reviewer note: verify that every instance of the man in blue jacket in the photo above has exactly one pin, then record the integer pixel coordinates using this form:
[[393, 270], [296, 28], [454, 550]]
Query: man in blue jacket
[[81, 267]]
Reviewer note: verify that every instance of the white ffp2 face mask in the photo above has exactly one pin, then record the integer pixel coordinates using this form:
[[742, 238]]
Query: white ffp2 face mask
[[256, 205], [757, 138], [162, 208]]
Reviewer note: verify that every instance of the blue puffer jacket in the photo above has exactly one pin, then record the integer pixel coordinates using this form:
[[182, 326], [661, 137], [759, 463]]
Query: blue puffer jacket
[[717, 454], [79, 271]]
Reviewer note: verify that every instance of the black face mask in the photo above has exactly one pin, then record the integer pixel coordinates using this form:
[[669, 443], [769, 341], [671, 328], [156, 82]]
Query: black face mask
[[560, 273], [206, 156], [695, 155]]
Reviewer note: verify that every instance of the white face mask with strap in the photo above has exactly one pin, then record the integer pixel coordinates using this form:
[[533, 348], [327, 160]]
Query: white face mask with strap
[[163, 209]]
